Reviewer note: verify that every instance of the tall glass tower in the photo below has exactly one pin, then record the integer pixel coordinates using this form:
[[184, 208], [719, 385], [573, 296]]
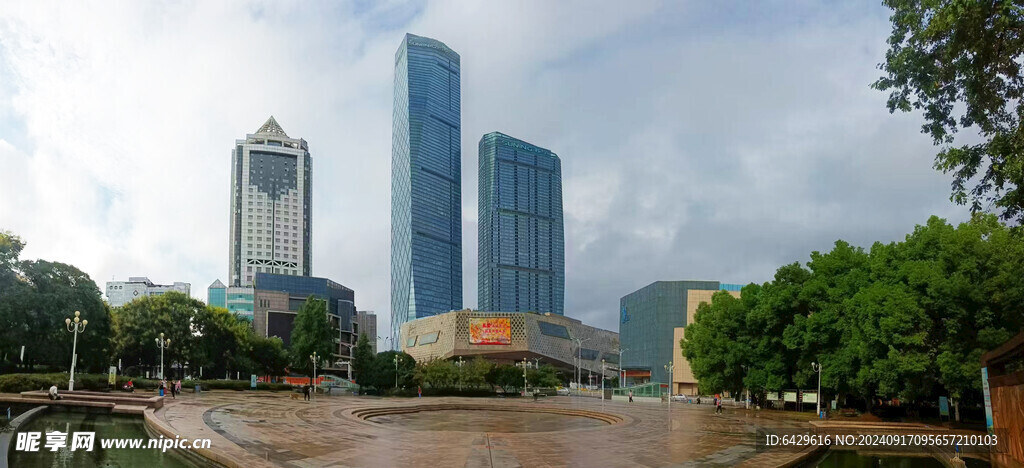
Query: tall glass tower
[[521, 265], [426, 182], [271, 203]]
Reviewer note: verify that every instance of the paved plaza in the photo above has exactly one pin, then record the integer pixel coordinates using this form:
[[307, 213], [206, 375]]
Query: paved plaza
[[271, 429]]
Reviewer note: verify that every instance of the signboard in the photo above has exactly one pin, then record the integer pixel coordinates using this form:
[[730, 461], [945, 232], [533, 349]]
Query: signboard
[[490, 331], [112, 378], [790, 397], [810, 397], [988, 399], [943, 406], [252, 381]]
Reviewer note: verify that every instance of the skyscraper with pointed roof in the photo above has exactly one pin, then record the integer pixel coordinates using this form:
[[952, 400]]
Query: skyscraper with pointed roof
[[271, 205]]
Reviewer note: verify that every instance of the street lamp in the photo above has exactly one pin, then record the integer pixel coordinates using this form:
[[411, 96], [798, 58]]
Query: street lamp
[[622, 370], [351, 355], [602, 380], [525, 384], [76, 328], [386, 340], [817, 368], [162, 344], [313, 357], [579, 366], [669, 368], [460, 373], [396, 371]]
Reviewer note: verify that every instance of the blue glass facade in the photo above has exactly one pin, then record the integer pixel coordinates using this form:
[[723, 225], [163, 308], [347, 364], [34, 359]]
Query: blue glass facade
[[426, 182], [340, 300], [521, 256], [648, 317], [216, 295]]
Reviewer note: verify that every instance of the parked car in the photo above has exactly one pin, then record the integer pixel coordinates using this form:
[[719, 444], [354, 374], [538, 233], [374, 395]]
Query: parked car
[[680, 398], [562, 391]]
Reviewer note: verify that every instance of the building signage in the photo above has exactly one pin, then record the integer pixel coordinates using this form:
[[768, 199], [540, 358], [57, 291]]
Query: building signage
[[516, 144], [810, 397], [790, 397], [943, 406], [624, 315], [252, 381], [490, 331], [112, 375]]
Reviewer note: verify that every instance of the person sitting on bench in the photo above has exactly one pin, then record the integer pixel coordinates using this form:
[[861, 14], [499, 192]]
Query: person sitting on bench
[[53, 393]]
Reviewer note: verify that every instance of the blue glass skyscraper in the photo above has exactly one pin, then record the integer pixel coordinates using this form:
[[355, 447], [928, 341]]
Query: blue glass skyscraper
[[521, 265], [426, 182]]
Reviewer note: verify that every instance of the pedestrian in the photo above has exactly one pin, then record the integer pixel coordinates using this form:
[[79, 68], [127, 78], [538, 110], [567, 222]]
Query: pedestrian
[[163, 385], [305, 393], [419, 391], [718, 406], [177, 387], [631, 395], [53, 393]]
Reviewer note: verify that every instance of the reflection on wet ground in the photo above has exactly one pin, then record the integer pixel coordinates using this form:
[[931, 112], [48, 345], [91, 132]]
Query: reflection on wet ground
[[487, 421]]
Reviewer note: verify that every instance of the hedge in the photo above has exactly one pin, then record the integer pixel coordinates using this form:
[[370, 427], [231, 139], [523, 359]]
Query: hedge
[[16, 383]]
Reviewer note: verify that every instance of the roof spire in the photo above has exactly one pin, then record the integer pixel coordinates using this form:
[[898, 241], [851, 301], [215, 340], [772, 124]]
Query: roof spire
[[271, 126]]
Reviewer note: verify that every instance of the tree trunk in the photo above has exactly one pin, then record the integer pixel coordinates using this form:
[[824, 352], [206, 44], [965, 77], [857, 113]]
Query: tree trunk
[[956, 410]]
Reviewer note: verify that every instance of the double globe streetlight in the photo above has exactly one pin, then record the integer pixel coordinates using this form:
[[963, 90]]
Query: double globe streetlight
[[313, 357], [162, 344], [75, 327]]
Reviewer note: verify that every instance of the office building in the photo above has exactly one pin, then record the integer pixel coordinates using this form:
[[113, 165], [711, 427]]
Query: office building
[[521, 255], [366, 324], [426, 182], [236, 299], [120, 293], [271, 196], [652, 321], [509, 337], [278, 299]]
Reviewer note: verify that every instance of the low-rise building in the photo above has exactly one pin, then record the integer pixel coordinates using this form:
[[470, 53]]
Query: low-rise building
[[652, 324], [120, 293], [278, 299], [237, 300], [509, 337]]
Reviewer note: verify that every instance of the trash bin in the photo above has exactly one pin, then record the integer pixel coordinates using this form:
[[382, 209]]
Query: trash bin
[[161, 392], [197, 389]]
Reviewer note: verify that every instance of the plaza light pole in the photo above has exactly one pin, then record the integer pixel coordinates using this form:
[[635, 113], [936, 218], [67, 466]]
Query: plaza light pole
[[669, 368], [525, 384], [350, 357], [386, 340], [313, 357], [162, 344], [396, 371], [622, 370], [77, 327], [602, 380], [460, 373], [817, 368], [579, 366]]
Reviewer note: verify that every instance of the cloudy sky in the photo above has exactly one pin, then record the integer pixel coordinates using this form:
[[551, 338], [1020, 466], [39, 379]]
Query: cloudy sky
[[699, 140]]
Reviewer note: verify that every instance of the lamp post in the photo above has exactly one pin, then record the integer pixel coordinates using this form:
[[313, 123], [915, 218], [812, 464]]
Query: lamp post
[[817, 368], [525, 384], [579, 366], [669, 368], [622, 370], [351, 355], [386, 340], [602, 380], [75, 327], [313, 357], [396, 371], [162, 344], [460, 373]]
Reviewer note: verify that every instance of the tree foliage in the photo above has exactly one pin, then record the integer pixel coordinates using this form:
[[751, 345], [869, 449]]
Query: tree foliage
[[905, 319], [959, 64], [362, 358], [384, 370], [312, 332]]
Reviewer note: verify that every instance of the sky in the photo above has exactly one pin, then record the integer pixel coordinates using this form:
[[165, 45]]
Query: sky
[[699, 140]]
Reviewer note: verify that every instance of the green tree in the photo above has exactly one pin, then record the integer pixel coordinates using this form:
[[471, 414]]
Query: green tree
[[362, 359], [959, 64], [437, 373], [474, 372], [139, 323], [312, 332], [546, 377], [717, 344], [384, 370], [508, 377], [268, 354]]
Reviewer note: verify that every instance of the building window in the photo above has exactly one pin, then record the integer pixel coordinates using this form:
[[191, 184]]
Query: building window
[[248, 268]]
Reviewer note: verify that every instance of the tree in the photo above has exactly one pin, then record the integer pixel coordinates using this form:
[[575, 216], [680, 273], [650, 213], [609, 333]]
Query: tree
[[384, 370], [717, 343], [268, 354], [362, 359], [508, 377], [139, 323], [474, 372], [959, 62], [546, 376], [437, 373], [312, 332]]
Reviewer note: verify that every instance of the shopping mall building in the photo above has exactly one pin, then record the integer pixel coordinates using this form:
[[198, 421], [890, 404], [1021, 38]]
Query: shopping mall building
[[507, 337]]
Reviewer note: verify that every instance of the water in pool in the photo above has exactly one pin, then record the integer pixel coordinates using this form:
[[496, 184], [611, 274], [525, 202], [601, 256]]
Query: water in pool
[[105, 426]]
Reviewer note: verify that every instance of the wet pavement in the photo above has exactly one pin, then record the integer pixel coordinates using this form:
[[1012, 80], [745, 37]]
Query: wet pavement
[[272, 429]]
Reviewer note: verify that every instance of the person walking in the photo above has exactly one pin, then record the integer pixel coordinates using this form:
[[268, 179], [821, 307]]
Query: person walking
[[718, 406], [631, 395], [419, 391], [305, 393], [177, 386]]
